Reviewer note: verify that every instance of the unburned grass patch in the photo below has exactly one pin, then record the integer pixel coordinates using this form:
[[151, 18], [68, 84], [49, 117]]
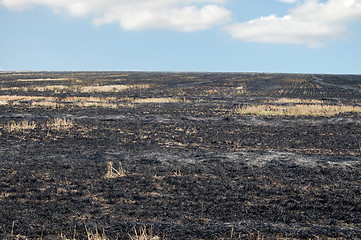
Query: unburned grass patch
[[44, 104], [296, 100], [158, 100], [114, 173], [143, 234], [42, 79], [106, 88], [9, 98], [98, 102], [110, 88], [55, 124], [52, 88], [58, 102], [20, 126], [77, 88], [297, 110], [59, 124], [88, 99]]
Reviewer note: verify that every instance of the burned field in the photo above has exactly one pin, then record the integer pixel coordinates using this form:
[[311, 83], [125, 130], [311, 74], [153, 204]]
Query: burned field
[[194, 155]]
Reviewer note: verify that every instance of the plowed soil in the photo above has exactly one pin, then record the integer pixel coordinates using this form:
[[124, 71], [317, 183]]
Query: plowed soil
[[195, 168]]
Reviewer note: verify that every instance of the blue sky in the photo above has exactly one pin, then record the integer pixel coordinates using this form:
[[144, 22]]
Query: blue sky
[[296, 36]]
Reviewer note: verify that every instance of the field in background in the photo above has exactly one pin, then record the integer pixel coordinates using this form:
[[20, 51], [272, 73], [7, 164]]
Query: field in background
[[183, 155]]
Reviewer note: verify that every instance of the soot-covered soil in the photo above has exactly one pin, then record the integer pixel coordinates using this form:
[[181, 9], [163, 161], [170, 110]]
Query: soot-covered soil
[[195, 168]]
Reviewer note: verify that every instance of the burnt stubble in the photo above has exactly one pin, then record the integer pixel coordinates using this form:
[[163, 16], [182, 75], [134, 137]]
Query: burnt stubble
[[196, 167]]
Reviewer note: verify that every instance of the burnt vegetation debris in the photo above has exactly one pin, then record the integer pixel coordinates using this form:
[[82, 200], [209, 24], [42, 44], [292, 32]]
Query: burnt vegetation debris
[[181, 154]]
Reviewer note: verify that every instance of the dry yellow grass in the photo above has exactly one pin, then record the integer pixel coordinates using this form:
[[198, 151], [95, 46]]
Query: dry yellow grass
[[53, 102], [25, 98], [114, 173], [143, 234], [53, 88], [107, 88], [19, 126], [211, 91], [45, 104], [111, 88], [157, 100], [95, 236], [42, 79], [297, 110], [94, 104], [296, 100], [88, 99], [77, 88], [59, 124]]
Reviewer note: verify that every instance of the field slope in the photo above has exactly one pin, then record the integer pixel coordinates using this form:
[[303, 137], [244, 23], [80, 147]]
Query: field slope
[[188, 155]]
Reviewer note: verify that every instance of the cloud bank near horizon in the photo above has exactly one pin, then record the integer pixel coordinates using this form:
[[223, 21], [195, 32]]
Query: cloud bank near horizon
[[309, 22], [179, 15]]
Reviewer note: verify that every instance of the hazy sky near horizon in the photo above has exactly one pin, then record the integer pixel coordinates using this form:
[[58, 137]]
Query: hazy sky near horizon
[[297, 36]]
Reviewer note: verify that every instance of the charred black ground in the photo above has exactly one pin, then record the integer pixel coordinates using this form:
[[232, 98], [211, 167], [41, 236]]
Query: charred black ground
[[196, 168]]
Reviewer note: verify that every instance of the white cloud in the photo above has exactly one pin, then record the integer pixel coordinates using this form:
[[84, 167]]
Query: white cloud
[[310, 23], [181, 15], [288, 1]]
